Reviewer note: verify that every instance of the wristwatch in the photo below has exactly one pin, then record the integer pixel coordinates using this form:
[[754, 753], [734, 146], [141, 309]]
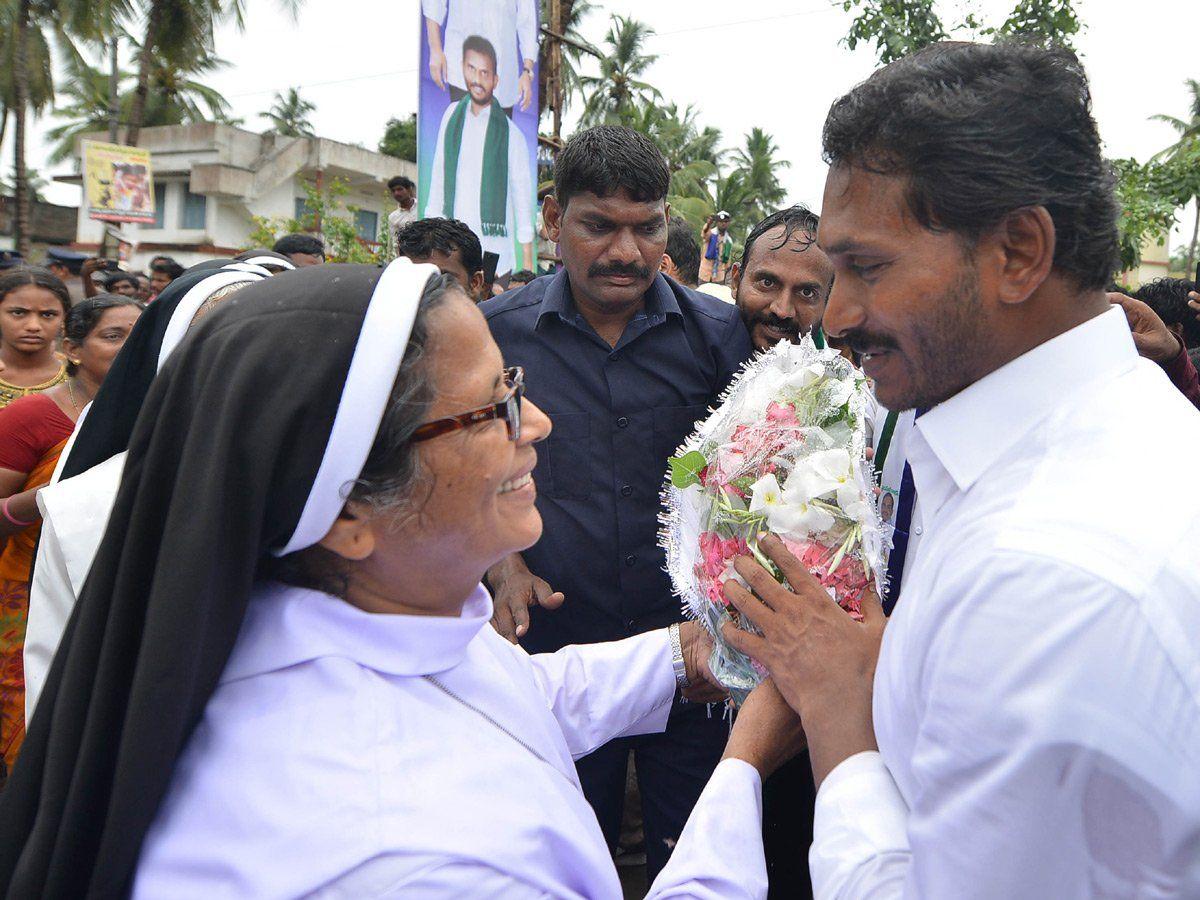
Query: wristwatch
[[677, 665]]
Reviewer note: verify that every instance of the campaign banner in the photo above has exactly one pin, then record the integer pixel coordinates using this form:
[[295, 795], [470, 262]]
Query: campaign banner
[[117, 183], [477, 123]]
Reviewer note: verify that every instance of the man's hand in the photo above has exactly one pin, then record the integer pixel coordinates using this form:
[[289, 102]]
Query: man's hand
[[89, 267], [515, 589], [525, 89], [767, 732], [1150, 334], [439, 69], [822, 661], [697, 647], [1194, 302]]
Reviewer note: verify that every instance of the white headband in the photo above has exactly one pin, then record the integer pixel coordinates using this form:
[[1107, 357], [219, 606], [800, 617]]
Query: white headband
[[181, 319], [283, 263], [378, 353]]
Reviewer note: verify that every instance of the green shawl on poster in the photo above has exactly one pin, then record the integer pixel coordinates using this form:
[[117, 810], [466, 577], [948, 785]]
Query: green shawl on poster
[[493, 183]]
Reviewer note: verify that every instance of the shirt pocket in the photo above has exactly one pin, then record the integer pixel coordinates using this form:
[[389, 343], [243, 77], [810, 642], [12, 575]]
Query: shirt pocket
[[673, 425], [567, 456]]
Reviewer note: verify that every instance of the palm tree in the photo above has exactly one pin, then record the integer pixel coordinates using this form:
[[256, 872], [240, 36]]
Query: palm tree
[[618, 93], [176, 97], [289, 115], [757, 167], [693, 154], [573, 13], [1188, 144]]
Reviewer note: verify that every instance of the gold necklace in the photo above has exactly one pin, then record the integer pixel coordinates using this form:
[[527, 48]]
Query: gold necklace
[[71, 391]]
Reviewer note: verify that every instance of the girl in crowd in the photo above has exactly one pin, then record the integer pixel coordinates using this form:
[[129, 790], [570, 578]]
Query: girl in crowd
[[33, 306], [33, 431], [280, 679], [76, 504]]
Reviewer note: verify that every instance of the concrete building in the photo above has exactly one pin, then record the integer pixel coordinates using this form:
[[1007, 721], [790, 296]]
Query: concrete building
[[211, 179]]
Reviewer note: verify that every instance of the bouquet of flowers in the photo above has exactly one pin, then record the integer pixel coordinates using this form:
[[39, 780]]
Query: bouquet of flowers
[[784, 452]]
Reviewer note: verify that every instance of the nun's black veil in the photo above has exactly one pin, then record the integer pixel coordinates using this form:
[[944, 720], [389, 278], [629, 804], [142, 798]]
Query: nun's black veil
[[220, 465], [109, 422]]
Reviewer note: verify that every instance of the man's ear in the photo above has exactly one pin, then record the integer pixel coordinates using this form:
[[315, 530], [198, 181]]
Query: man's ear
[[352, 535], [1025, 241], [735, 278], [475, 288], [667, 266], [552, 216]]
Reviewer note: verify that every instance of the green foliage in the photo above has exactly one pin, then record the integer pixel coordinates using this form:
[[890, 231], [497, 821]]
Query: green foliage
[[619, 95], [573, 12], [326, 215], [1151, 195], [400, 138], [289, 114], [685, 470], [34, 183], [901, 27]]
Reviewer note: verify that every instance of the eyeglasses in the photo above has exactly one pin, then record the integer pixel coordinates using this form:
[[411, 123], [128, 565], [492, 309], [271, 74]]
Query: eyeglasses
[[508, 409]]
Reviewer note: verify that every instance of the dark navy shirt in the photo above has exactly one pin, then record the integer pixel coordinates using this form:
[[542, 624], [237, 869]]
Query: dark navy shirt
[[618, 413]]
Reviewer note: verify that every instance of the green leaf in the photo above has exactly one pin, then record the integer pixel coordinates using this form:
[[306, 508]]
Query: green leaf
[[685, 470]]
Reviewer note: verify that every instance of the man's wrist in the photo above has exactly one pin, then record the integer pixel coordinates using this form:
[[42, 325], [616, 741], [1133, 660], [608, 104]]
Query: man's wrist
[[504, 569], [1166, 357]]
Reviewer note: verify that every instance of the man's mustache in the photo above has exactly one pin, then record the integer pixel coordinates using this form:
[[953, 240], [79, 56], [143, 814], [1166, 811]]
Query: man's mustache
[[862, 341], [632, 270], [777, 322]]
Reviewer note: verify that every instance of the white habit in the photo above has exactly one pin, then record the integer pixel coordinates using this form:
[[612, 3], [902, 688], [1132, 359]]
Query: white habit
[[327, 764], [74, 515], [510, 26], [1037, 696], [519, 213]]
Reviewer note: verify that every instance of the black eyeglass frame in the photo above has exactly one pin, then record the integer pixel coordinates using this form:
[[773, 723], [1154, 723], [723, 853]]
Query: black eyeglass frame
[[507, 409]]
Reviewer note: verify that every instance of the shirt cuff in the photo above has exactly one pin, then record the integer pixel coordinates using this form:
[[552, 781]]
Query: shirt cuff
[[859, 816]]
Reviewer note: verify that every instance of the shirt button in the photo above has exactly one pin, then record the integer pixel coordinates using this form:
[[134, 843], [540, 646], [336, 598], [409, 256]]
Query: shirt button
[[629, 625], [919, 529], [622, 422], [631, 560], [626, 490]]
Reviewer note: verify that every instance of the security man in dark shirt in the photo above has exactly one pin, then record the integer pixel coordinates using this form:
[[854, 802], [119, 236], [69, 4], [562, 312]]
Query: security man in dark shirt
[[624, 361]]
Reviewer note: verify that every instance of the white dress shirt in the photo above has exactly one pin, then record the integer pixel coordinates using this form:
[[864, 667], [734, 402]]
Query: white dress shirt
[[510, 26], [326, 764], [519, 212], [398, 218], [1037, 696], [75, 513]]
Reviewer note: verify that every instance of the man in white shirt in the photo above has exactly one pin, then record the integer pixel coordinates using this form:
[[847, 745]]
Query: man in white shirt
[[481, 172], [1028, 725], [404, 192], [510, 26]]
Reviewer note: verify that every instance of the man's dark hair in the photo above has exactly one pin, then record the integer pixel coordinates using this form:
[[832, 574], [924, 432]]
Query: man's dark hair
[[982, 130], [167, 266], [400, 181], [607, 159], [300, 243], [521, 276], [684, 250], [425, 236], [117, 277], [796, 220], [1168, 298], [482, 45]]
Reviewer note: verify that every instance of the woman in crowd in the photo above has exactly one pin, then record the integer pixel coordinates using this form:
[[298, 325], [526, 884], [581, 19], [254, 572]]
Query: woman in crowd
[[33, 432], [280, 679], [76, 504], [33, 306]]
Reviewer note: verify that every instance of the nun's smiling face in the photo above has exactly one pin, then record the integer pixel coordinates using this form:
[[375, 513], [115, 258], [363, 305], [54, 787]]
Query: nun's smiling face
[[474, 502]]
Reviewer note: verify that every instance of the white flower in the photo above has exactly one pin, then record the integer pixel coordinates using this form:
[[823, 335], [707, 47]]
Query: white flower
[[817, 475], [765, 493], [852, 502], [799, 519], [805, 376], [839, 391]]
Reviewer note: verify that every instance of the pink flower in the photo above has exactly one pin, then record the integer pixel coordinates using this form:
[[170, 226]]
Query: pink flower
[[782, 414]]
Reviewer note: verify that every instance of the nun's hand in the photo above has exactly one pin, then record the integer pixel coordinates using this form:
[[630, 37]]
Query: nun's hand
[[514, 590]]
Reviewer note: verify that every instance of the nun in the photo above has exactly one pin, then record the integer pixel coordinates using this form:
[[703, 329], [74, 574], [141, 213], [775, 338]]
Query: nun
[[280, 679], [273, 262], [76, 503]]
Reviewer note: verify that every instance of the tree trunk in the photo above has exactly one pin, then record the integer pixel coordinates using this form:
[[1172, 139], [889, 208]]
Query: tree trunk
[[138, 107], [1189, 272], [20, 170], [114, 101]]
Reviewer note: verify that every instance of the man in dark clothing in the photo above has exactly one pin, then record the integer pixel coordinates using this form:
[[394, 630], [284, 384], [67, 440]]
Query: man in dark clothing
[[624, 361]]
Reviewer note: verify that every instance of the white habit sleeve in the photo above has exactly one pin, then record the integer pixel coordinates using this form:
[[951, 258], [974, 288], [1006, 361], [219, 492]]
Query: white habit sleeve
[[51, 599], [720, 853], [598, 692]]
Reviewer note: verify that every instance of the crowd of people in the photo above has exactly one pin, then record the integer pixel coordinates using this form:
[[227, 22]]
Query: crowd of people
[[346, 580]]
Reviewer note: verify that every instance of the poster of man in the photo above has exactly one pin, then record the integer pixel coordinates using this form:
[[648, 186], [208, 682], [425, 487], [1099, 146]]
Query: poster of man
[[477, 126], [117, 183]]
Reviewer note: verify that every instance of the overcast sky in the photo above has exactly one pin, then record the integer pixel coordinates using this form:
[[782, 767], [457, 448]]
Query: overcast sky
[[776, 64]]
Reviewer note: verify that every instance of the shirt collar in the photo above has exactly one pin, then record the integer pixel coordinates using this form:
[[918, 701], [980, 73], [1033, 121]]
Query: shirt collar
[[659, 299], [286, 626], [965, 435]]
